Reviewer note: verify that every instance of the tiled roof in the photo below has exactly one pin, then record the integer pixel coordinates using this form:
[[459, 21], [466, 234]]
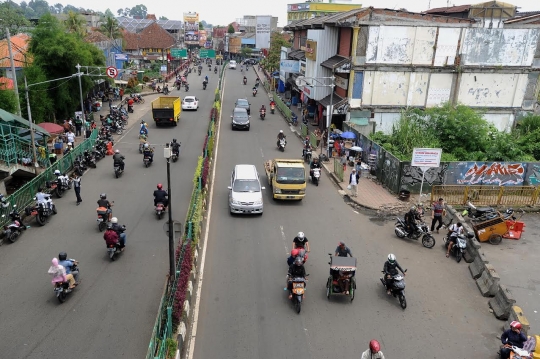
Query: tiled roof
[[95, 36], [448, 10], [297, 54], [6, 84], [151, 37], [19, 45]]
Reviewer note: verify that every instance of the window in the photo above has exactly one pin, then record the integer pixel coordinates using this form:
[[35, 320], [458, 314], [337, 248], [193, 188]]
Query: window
[[246, 186]]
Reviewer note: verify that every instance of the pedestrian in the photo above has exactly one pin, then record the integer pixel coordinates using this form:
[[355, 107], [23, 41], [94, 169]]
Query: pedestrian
[[77, 187], [437, 213], [121, 93], [78, 126], [70, 137], [359, 166], [344, 162], [353, 183]]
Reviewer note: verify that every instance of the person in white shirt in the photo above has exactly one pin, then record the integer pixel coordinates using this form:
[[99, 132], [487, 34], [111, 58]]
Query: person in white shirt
[[70, 137], [353, 183], [45, 198], [374, 351]]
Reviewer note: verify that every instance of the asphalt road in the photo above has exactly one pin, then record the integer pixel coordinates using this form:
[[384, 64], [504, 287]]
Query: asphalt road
[[244, 310], [112, 313]]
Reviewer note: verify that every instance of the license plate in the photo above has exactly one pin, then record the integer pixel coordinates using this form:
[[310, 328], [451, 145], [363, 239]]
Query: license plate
[[290, 197]]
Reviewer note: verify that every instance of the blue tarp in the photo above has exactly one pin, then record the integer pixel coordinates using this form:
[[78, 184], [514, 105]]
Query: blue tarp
[[250, 41]]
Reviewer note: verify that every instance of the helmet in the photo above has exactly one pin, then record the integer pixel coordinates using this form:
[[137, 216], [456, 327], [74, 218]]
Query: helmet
[[103, 196], [114, 220], [62, 256], [413, 208], [159, 186], [174, 140], [301, 236], [117, 151], [374, 346], [146, 145], [391, 258], [515, 325], [280, 131], [298, 261], [57, 173]]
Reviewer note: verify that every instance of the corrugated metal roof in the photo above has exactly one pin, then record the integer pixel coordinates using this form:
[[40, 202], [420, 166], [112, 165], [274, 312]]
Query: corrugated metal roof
[[534, 15], [334, 62], [448, 10]]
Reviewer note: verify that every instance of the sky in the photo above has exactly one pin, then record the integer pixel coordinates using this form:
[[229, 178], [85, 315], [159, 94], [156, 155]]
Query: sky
[[220, 12]]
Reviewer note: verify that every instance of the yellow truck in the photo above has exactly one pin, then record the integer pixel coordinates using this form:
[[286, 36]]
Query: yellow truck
[[287, 178], [166, 109]]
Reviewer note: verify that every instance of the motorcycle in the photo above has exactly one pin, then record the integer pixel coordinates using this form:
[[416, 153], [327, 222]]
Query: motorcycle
[[272, 109], [281, 144], [397, 288], [61, 289], [13, 230], [298, 289], [315, 176], [479, 213], [117, 170], [174, 156], [166, 91], [294, 119], [204, 85], [420, 230], [146, 161], [199, 72], [160, 208], [215, 71], [102, 218], [459, 248], [245, 81], [89, 159], [187, 87], [254, 92], [42, 212], [307, 155], [262, 114], [113, 250], [78, 166]]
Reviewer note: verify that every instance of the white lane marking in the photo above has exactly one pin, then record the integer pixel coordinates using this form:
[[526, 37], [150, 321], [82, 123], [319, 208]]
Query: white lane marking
[[356, 212], [284, 239], [262, 154], [196, 307]]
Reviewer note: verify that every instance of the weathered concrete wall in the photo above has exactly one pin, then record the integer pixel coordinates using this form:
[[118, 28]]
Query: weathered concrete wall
[[447, 46], [440, 88], [385, 120], [502, 121], [499, 47], [492, 89]]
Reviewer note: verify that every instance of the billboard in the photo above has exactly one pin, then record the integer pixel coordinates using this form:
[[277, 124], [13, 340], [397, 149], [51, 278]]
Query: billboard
[[262, 32], [290, 66], [191, 28], [202, 37]]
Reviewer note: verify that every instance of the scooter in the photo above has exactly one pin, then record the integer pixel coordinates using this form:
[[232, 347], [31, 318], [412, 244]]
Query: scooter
[[272, 109], [13, 230], [254, 92], [245, 81], [42, 211], [298, 289], [113, 250], [204, 85], [263, 114], [315, 176], [397, 288], [160, 208], [307, 155], [117, 170], [421, 230], [459, 248], [61, 289], [103, 218], [281, 144], [186, 87], [146, 161]]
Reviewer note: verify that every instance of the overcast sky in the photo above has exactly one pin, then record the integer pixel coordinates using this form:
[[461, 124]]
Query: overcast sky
[[220, 12]]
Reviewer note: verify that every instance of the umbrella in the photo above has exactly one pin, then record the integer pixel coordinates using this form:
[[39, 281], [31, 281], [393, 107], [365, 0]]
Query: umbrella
[[51, 127], [356, 148], [347, 134]]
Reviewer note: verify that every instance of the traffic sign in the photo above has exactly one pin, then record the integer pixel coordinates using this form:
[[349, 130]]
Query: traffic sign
[[112, 72], [178, 53], [207, 53]]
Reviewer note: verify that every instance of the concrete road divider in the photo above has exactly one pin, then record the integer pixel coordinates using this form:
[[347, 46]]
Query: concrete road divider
[[181, 338], [477, 266], [471, 252], [516, 313], [502, 303], [488, 282]]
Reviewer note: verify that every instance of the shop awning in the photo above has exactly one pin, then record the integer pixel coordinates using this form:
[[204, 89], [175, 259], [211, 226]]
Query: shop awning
[[297, 55], [334, 62], [360, 117], [14, 120], [337, 100]]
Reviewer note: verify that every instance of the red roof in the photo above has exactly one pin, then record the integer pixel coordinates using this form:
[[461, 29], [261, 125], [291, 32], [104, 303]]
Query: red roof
[[19, 44], [151, 37], [448, 10], [6, 84]]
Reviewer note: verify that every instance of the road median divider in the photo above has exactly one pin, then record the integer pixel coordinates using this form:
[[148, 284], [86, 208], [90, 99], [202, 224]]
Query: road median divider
[[502, 303]]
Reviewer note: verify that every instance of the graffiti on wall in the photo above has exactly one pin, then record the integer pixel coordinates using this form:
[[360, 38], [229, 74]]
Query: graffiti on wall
[[412, 176], [495, 173], [390, 172], [533, 174]]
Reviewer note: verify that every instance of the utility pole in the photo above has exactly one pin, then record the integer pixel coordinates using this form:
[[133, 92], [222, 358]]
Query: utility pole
[[14, 74], [36, 164], [83, 117]]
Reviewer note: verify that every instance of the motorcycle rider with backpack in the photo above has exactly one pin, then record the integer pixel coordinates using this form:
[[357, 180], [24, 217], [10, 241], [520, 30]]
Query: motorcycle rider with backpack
[[410, 219], [390, 269], [453, 232]]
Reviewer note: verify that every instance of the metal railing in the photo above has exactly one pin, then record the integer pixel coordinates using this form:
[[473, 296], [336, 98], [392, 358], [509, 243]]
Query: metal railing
[[13, 148], [487, 195], [338, 170]]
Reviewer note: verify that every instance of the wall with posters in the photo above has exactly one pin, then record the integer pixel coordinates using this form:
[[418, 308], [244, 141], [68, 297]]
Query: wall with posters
[[191, 28]]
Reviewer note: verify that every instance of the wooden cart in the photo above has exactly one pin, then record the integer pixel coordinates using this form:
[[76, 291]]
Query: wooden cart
[[491, 231]]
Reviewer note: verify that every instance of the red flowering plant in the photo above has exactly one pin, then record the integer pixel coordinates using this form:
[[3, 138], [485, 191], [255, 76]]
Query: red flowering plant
[[183, 280]]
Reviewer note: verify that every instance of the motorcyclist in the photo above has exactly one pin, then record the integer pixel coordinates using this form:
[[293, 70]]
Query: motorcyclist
[[296, 270], [254, 90], [390, 269], [63, 179], [118, 159], [281, 136], [144, 128], [161, 196], [215, 69], [148, 152], [301, 241], [68, 265], [512, 337], [59, 274], [262, 109], [273, 103], [130, 104], [175, 147], [410, 219], [142, 141], [245, 80], [45, 198], [103, 202], [257, 82], [166, 89], [374, 351], [120, 230], [314, 164], [453, 232], [206, 78], [111, 237]]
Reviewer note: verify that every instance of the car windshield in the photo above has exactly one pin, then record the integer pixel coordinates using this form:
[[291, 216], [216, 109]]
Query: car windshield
[[189, 100], [290, 175], [240, 117], [246, 186], [242, 103]]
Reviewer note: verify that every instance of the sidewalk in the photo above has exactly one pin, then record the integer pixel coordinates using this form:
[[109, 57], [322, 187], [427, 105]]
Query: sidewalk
[[371, 195]]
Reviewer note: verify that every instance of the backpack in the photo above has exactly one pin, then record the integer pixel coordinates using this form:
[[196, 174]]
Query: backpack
[[78, 121]]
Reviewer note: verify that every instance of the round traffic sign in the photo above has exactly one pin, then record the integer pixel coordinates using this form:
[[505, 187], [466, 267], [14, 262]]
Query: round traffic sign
[[112, 72]]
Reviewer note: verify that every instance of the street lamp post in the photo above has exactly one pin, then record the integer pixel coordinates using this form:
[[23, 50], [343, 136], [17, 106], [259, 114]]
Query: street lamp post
[[172, 270], [31, 123], [79, 75]]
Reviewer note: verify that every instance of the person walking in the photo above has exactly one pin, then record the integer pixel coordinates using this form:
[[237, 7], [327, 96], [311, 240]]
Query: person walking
[[78, 126], [121, 93], [353, 183], [70, 138], [77, 187], [344, 162], [437, 213]]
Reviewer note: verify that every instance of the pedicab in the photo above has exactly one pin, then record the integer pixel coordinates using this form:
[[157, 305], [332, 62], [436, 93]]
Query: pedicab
[[341, 280]]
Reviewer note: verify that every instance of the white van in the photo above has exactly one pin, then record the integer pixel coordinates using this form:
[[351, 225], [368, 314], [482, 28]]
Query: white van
[[245, 191], [232, 64]]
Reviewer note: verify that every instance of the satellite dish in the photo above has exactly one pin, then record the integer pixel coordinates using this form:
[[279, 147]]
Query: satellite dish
[[300, 82]]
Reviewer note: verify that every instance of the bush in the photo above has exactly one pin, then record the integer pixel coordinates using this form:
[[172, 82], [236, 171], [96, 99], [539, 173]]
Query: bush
[[205, 171], [132, 82], [146, 78], [183, 279]]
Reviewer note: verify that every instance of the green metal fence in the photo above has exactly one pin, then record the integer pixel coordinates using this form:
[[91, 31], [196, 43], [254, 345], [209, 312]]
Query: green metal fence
[[25, 195], [338, 170], [14, 148]]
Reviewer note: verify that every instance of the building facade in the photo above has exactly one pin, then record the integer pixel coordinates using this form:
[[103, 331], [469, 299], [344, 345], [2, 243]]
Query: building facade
[[249, 23], [308, 10], [401, 60]]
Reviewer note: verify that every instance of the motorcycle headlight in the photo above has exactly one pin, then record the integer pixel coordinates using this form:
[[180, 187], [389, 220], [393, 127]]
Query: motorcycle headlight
[[277, 190]]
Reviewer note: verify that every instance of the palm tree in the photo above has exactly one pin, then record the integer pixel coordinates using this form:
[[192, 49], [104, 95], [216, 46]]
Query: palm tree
[[110, 28], [75, 23]]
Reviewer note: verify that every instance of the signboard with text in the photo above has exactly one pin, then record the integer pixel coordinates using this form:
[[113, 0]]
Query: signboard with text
[[262, 32], [426, 157], [191, 28], [311, 50], [207, 53], [177, 53], [290, 66]]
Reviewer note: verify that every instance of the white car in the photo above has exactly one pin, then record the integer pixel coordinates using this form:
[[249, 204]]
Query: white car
[[232, 64], [190, 103]]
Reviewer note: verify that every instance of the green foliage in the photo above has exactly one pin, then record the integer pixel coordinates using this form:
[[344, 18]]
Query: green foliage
[[12, 17], [163, 18], [271, 63], [230, 29], [246, 51], [57, 52], [201, 26], [41, 103], [110, 28], [198, 171], [172, 347], [108, 13], [75, 23], [138, 11], [8, 101]]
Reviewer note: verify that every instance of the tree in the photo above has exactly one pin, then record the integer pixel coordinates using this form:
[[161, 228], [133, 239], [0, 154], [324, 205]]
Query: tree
[[69, 8], [58, 8], [201, 26], [41, 103], [271, 63], [123, 12], [12, 17], [230, 29], [57, 52], [139, 11], [246, 51], [75, 23], [8, 101], [108, 13], [39, 8], [110, 28]]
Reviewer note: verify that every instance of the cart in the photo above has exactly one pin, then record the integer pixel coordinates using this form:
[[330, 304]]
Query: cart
[[342, 269], [493, 230]]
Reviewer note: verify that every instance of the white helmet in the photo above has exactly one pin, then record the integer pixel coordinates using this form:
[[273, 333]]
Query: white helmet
[[57, 173], [280, 131], [146, 145], [301, 236], [117, 151], [114, 220], [391, 258]]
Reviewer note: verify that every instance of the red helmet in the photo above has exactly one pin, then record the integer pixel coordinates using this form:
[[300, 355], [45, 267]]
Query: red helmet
[[294, 252], [374, 346], [159, 186], [515, 325]]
